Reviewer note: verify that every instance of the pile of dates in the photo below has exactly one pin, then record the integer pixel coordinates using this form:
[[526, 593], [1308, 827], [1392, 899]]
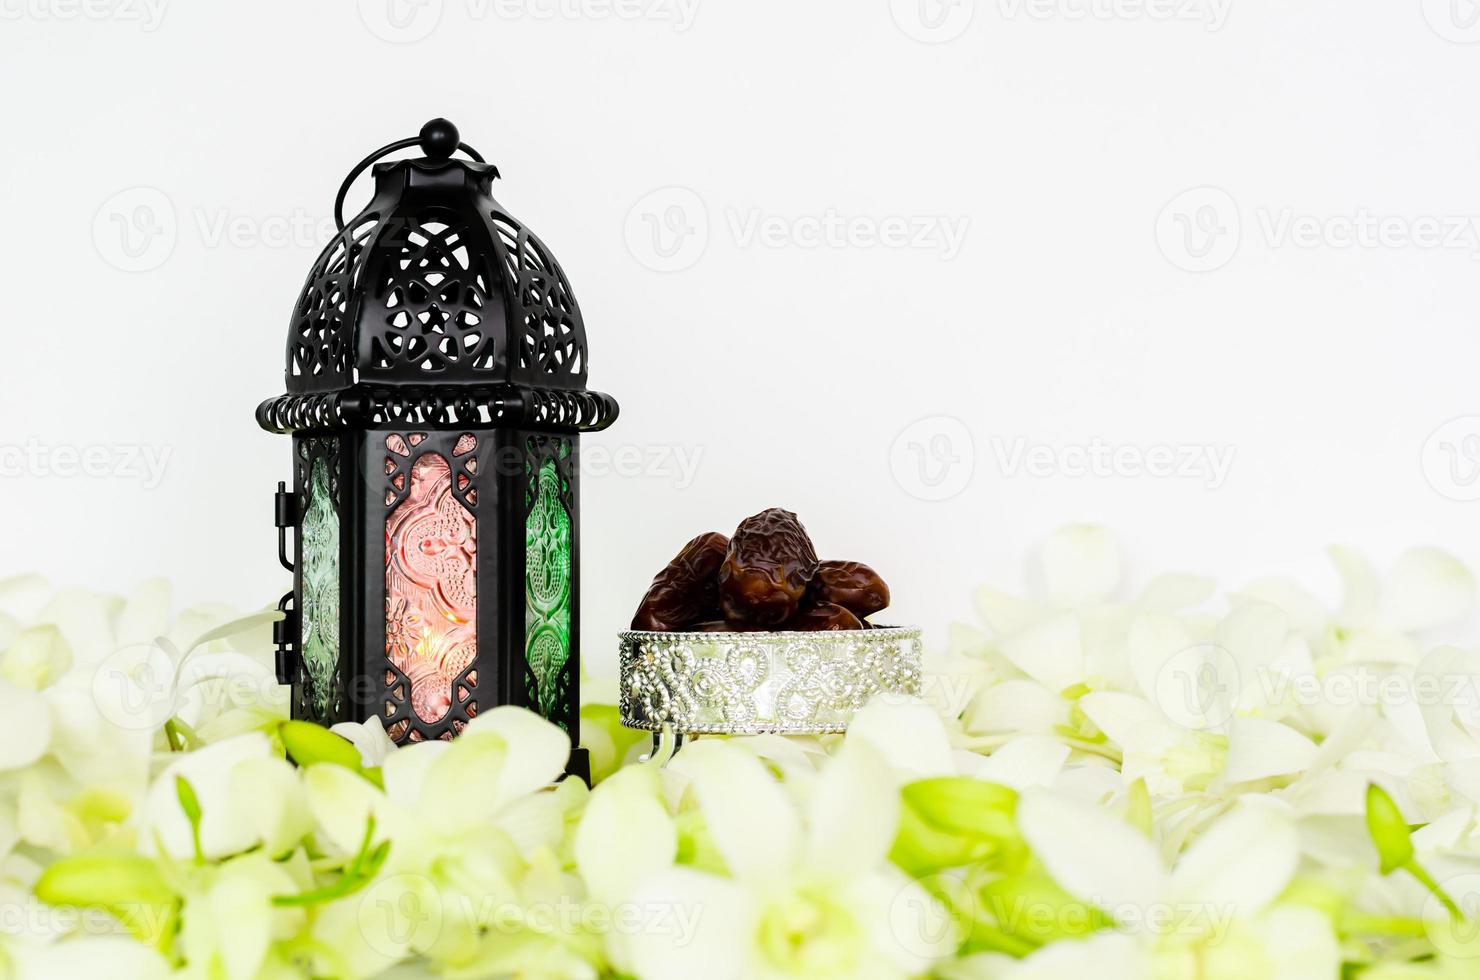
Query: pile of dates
[[765, 577]]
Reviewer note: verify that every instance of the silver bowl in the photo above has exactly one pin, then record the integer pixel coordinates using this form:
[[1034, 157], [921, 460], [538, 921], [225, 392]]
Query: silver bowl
[[753, 683]]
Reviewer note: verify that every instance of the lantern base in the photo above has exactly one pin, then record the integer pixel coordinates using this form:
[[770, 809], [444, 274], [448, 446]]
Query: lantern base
[[579, 766]]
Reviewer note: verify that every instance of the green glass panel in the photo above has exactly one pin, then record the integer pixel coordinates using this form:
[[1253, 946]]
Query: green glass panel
[[320, 533], [547, 589]]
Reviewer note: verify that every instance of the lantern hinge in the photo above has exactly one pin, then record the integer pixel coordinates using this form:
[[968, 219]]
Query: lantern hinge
[[284, 631], [285, 515]]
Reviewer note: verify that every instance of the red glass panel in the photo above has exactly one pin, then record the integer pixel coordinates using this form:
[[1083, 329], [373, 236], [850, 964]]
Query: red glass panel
[[430, 588]]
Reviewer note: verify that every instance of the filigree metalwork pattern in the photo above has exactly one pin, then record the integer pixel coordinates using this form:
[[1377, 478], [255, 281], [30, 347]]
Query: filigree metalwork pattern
[[552, 340], [320, 343], [447, 407], [749, 683], [430, 302]]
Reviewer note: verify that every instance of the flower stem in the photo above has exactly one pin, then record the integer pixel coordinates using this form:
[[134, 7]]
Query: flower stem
[[1358, 923], [1427, 880], [174, 736]]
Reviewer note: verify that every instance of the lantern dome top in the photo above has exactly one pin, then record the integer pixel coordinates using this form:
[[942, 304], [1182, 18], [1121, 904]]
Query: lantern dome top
[[434, 305]]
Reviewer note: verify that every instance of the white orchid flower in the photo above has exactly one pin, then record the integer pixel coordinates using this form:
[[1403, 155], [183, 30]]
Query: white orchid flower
[[625, 835], [1072, 643], [1173, 759], [461, 819], [1426, 588], [806, 896], [1446, 697], [230, 924], [223, 778], [368, 737], [1214, 913], [906, 734], [115, 957]]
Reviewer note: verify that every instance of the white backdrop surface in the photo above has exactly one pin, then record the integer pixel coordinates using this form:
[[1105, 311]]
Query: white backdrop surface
[[937, 276]]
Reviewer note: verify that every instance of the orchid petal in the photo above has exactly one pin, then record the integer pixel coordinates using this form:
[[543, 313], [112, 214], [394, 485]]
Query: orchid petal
[[1242, 862], [37, 658], [22, 597], [210, 771], [1081, 564], [1258, 749], [853, 812], [543, 748], [1358, 584], [625, 835], [1104, 956], [86, 620], [1030, 760], [342, 803], [146, 614], [1004, 613], [967, 641], [750, 817], [1299, 943], [708, 938], [28, 726], [368, 737], [1452, 715], [1174, 592], [1151, 643], [906, 733], [1303, 611], [1426, 587], [461, 784], [267, 791], [1051, 652], [1127, 720], [1091, 853], [113, 957], [404, 773], [1015, 706]]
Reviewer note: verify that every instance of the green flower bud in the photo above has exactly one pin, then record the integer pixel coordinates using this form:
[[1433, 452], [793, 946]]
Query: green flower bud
[[307, 743], [1388, 830]]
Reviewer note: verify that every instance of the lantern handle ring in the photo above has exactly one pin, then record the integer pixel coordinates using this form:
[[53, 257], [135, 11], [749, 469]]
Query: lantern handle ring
[[438, 139]]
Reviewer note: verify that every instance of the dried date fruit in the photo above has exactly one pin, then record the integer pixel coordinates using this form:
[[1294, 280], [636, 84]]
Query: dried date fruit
[[686, 591], [852, 585], [825, 616], [767, 570]]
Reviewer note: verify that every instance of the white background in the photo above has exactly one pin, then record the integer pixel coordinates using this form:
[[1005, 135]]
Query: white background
[[168, 172]]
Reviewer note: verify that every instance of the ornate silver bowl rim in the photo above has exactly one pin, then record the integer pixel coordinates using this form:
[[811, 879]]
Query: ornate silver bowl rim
[[887, 632], [786, 682]]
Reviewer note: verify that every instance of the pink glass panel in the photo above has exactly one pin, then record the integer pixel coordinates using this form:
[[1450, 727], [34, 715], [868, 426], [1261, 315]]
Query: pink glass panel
[[430, 589]]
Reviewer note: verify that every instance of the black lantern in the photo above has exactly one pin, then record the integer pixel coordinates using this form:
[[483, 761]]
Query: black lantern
[[436, 392]]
